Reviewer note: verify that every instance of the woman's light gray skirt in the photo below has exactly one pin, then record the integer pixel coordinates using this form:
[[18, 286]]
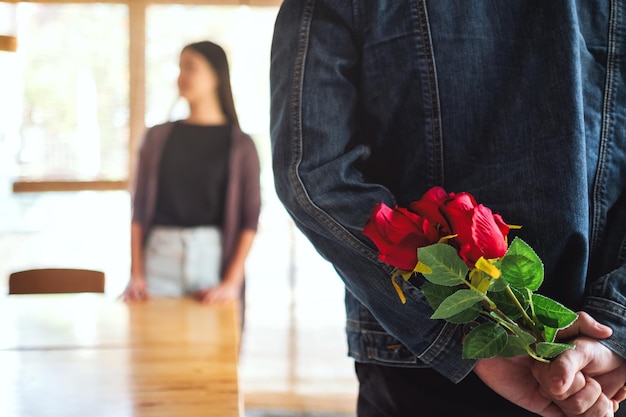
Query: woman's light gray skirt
[[182, 260]]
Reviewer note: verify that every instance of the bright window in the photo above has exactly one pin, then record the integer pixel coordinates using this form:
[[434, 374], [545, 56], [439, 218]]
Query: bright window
[[64, 94], [244, 32]]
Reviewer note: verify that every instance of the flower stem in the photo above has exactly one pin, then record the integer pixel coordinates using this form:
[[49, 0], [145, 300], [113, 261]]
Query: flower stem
[[492, 306], [531, 323], [503, 320], [498, 314], [535, 356], [512, 296]]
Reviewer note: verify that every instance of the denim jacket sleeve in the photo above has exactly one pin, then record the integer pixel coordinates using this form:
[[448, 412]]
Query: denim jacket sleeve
[[318, 149], [606, 303], [606, 296]]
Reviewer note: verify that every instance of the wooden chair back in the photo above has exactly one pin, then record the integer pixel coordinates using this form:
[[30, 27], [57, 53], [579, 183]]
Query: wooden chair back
[[56, 280]]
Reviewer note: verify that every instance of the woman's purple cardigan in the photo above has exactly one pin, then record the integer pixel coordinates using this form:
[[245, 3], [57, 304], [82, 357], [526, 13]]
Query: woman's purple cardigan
[[242, 204]]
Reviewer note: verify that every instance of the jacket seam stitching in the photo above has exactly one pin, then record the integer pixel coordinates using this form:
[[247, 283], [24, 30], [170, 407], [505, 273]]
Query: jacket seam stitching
[[295, 180], [427, 49], [607, 126]]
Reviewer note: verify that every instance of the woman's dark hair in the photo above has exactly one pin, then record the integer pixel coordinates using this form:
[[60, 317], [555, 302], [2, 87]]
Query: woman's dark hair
[[216, 57]]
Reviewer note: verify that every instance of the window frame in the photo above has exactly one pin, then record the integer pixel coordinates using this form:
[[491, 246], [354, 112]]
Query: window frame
[[136, 89]]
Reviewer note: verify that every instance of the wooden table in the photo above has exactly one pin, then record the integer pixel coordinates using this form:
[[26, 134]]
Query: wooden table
[[87, 355]]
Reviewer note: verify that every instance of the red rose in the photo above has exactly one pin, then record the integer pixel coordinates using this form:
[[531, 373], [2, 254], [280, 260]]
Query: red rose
[[434, 224], [397, 233], [479, 231]]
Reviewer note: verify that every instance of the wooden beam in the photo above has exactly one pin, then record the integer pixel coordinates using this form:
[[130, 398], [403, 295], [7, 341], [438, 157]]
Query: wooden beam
[[46, 185], [270, 3], [137, 87], [8, 43]]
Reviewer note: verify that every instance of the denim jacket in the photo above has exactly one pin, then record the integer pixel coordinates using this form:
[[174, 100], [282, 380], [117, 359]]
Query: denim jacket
[[521, 103]]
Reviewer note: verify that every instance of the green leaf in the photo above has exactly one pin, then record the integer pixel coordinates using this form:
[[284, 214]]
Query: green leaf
[[497, 285], [526, 337], [484, 341], [457, 303], [521, 267], [515, 346], [466, 316], [551, 313], [550, 333], [550, 350], [447, 268], [507, 305], [435, 294]]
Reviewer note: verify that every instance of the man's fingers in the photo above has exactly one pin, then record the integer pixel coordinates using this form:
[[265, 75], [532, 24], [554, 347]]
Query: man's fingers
[[620, 395], [585, 325], [612, 384], [618, 398], [559, 378], [560, 390], [587, 401]]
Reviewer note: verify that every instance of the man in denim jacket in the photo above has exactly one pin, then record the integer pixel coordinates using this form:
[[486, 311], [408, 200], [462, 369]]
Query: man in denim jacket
[[521, 103]]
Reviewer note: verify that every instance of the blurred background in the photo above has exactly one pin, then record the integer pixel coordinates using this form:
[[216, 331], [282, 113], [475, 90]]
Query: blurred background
[[75, 98]]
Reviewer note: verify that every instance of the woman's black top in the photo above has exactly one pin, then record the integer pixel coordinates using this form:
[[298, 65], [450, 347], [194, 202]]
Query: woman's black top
[[192, 176]]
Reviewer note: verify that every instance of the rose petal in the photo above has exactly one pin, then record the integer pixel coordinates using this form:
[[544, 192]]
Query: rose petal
[[486, 234]]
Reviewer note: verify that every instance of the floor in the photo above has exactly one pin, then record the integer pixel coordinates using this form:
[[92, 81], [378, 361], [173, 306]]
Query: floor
[[293, 358]]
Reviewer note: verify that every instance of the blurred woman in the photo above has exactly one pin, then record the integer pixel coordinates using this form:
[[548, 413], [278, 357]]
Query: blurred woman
[[197, 198]]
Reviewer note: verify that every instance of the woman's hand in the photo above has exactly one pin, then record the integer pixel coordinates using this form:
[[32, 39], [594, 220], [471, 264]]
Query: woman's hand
[[221, 293], [232, 282], [135, 290]]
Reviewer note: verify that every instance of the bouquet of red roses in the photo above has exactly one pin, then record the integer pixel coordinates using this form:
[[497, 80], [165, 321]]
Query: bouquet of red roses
[[462, 250]]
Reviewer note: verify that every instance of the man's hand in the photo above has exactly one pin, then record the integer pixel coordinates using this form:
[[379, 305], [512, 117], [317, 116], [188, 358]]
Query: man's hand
[[602, 371], [512, 379], [523, 380], [587, 380], [585, 325]]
